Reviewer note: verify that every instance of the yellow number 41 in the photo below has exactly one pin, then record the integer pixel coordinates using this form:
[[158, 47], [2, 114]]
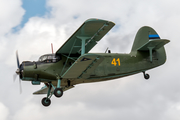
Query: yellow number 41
[[114, 62]]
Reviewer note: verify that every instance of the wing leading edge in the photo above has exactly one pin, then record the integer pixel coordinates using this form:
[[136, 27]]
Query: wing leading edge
[[44, 90], [92, 29]]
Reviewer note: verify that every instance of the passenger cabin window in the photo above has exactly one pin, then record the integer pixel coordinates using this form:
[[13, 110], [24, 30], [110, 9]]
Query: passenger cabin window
[[49, 58]]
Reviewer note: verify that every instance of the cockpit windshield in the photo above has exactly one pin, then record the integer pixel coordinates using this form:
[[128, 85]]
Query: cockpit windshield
[[49, 58]]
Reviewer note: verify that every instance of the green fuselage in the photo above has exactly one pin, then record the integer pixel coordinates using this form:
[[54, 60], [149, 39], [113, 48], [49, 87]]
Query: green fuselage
[[113, 66]]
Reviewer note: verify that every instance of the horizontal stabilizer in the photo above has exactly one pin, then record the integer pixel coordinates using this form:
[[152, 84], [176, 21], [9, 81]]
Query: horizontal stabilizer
[[83, 66], [153, 44], [44, 90]]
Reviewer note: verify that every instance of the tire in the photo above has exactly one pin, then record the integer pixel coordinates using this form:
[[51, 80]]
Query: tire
[[146, 76], [58, 92], [46, 101]]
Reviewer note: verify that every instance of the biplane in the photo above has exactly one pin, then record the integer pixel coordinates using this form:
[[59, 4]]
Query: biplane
[[72, 63]]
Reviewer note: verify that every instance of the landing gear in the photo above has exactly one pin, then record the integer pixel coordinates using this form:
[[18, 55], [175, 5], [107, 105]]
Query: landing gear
[[58, 92], [146, 76], [46, 101]]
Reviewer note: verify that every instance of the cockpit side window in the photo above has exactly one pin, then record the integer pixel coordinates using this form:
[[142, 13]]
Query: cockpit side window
[[40, 59], [55, 58], [49, 58], [44, 58]]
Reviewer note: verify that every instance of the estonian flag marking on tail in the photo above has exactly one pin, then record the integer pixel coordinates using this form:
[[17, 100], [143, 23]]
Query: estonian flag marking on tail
[[154, 37]]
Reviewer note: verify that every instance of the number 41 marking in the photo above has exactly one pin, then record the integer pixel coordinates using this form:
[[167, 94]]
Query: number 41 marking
[[114, 62]]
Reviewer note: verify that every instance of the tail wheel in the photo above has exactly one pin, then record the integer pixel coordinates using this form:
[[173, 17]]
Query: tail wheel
[[146, 76], [58, 92], [46, 101]]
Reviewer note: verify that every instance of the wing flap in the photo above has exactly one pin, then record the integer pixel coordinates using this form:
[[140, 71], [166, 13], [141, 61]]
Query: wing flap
[[83, 67], [153, 44]]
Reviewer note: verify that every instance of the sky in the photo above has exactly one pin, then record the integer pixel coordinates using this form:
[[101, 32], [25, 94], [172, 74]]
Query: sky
[[30, 26]]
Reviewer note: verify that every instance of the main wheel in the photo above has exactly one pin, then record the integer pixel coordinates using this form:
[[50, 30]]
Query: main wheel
[[146, 76], [46, 101], [58, 92]]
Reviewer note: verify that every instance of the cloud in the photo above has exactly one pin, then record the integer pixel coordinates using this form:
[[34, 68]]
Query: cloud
[[126, 98], [4, 112], [10, 15], [28, 109]]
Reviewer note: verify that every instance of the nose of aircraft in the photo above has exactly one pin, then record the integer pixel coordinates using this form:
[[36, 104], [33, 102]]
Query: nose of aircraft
[[19, 71]]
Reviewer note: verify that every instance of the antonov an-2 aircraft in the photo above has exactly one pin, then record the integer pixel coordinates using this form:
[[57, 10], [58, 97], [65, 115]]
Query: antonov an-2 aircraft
[[73, 64]]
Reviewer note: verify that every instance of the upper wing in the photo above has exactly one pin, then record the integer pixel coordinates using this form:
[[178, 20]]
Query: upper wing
[[93, 29]]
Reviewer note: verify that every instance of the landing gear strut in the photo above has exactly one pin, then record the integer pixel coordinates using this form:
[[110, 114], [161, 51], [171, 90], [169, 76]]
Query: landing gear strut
[[146, 76], [46, 100], [58, 92]]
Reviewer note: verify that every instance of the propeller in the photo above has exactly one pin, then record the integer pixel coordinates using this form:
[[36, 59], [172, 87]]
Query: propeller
[[18, 72]]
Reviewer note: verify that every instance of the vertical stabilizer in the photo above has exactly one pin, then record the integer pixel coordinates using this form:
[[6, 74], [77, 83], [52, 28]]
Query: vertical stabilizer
[[147, 40], [143, 36]]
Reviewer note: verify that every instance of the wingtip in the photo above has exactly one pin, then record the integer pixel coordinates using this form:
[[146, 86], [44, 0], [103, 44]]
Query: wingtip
[[100, 20]]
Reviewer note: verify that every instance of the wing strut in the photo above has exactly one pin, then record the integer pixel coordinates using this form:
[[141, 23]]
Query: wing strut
[[68, 57], [150, 53], [153, 45], [83, 39]]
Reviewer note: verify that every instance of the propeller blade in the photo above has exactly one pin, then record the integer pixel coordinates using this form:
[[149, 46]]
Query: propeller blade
[[20, 86], [17, 58], [14, 77]]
